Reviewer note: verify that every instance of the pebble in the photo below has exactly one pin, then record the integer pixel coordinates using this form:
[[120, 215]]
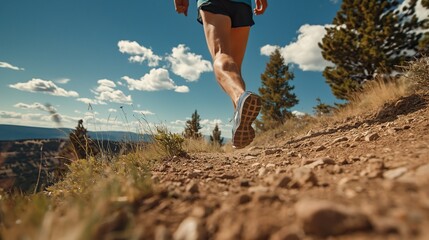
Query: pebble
[[192, 187], [372, 137], [272, 151], [324, 218], [320, 162], [319, 148], [283, 182], [340, 139], [262, 171], [258, 189], [250, 157], [303, 176], [375, 168], [190, 229], [395, 173], [270, 165]]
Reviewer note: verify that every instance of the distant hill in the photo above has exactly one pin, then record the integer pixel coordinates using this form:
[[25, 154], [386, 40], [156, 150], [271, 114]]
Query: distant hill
[[15, 132]]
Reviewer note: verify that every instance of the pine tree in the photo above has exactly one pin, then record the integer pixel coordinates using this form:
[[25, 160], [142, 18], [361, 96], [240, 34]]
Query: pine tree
[[84, 147], [369, 37], [193, 126], [215, 137], [79, 146], [424, 42], [276, 93], [322, 108]]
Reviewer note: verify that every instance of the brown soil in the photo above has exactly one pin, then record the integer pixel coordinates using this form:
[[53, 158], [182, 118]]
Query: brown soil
[[364, 178]]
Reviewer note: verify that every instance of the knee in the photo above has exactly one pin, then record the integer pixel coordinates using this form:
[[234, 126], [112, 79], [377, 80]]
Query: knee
[[223, 62]]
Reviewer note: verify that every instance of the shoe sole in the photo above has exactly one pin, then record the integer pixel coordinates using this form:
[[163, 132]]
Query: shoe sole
[[245, 134]]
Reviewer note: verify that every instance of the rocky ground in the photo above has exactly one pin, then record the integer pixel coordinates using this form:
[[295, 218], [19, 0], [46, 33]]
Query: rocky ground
[[364, 178]]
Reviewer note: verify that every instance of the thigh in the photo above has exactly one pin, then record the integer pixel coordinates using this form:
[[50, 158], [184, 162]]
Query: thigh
[[217, 29]]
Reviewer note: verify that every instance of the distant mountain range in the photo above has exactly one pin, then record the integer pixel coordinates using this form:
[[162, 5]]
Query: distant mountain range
[[15, 132]]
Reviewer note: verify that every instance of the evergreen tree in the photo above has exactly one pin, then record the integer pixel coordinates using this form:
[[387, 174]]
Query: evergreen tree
[[193, 126], [322, 108], [79, 146], [276, 93], [424, 42], [369, 37], [215, 137]]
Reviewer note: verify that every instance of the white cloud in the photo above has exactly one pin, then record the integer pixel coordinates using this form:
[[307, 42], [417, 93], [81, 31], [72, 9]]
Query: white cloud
[[186, 64], [305, 51], [43, 86], [334, 1], [155, 80], [91, 101], [62, 80], [106, 92], [182, 89], [10, 66], [9, 115], [267, 50], [139, 53], [36, 106], [298, 113], [112, 110], [144, 112]]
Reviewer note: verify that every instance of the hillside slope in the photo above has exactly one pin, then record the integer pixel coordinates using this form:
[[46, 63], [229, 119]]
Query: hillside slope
[[364, 178]]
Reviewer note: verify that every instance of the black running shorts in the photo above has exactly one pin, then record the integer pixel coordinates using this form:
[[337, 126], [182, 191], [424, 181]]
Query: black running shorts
[[240, 13]]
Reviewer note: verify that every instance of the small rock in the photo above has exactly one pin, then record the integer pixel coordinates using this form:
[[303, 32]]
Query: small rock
[[192, 188], [244, 183], [358, 139], [258, 189], [340, 139], [343, 161], [227, 176], [319, 148], [262, 171], [321, 162], [303, 176], [244, 198], [375, 168], [292, 154], [190, 229], [354, 158], [272, 151], [250, 157], [324, 218], [256, 165], [395, 173], [372, 137], [283, 182], [208, 167], [270, 165]]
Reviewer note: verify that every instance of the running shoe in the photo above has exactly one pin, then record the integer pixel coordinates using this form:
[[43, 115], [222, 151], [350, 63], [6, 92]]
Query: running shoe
[[248, 107]]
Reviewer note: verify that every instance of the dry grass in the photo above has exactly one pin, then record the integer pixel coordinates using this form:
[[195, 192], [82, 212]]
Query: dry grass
[[200, 145], [374, 96], [94, 201]]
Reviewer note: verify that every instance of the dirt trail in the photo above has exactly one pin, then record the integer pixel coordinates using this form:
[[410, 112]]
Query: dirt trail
[[365, 178]]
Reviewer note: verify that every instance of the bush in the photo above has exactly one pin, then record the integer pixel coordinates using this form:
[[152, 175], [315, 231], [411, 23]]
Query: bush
[[170, 144]]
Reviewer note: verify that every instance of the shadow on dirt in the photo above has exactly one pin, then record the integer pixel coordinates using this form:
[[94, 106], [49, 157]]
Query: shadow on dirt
[[403, 106]]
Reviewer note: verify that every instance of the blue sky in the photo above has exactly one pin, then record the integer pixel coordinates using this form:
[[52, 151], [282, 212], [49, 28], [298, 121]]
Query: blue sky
[[119, 64]]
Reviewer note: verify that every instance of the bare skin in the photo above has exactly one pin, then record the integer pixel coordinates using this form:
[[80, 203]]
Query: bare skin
[[226, 45]]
